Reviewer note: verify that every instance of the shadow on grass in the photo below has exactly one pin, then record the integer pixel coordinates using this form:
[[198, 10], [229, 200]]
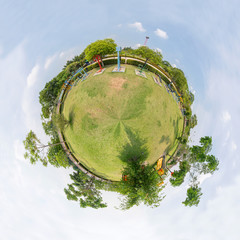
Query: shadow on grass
[[71, 118], [135, 150]]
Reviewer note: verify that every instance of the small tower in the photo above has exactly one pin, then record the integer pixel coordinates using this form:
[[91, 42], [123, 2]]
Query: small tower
[[145, 43]]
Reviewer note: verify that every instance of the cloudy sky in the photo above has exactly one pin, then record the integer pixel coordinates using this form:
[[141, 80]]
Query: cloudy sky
[[38, 37]]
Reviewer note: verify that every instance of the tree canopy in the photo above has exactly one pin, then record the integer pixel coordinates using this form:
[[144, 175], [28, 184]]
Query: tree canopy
[[100, 47], [146, 52], [83, 190], [140, 185], [193, 196]]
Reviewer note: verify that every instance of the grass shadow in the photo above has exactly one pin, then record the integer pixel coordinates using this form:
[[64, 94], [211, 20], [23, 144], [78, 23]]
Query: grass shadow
[[71, 117], [135, 150]]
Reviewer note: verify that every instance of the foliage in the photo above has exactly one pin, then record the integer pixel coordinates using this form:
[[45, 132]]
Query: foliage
[[146, 52], [141, 186], [193, 121], [34, 149], [193, 196], [83, 190], [178, 176], [60, 121], [80, 58], [127, 50], [100, 47], [200, 159], [52, 152], [48, 96]]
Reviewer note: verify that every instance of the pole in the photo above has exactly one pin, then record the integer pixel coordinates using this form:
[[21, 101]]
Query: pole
[[118, 49], [144, 65], [146, 41]]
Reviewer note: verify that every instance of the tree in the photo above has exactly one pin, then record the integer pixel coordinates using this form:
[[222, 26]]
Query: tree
[[146, 52], [48, 96], [193, 196], [140, 186], [193, 121], [60, 121], [83, 190], [178, 176], [35, 150], [128, 50], [200, 158], [100, 47], [80, 58]]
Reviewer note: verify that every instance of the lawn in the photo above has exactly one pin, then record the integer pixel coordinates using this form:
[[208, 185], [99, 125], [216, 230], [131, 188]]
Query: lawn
[[117, 116]]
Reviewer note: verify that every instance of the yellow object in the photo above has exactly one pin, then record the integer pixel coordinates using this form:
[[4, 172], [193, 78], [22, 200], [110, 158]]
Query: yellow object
[[159, 163], [161, 171]]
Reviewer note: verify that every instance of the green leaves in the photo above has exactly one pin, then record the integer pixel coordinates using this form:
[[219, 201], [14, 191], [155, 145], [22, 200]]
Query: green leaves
[[178, 176], [33, 152], [83, 190], [100, 47], [141, 185], [145, 52], [193, 196]]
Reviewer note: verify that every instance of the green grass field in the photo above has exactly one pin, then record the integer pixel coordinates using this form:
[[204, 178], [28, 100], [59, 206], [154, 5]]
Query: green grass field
[[116, 116]]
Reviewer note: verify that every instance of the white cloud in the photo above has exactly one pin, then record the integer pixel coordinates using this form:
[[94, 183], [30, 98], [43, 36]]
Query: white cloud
[[138, 26], [137, 45], [226, 117], [158, 50], [203, 177], [32, 77], [160, 33], [119, 25], [49, 61]]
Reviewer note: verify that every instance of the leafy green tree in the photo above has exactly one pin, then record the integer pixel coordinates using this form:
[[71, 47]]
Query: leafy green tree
[[146, 52], [193, 196], [100, 47], [193, 121], [80, 59], [127, 50], [212, 163], [34, 149], [178, 176], [83, 190], [37, 151], [141, 185], [60, 121]]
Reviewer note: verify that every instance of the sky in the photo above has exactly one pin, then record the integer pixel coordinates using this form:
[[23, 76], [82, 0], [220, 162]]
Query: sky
[[38, 37]]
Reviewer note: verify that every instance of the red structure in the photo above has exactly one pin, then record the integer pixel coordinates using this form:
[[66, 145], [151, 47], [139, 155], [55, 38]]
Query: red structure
[[145, 43], [124, 177], [97, 58]]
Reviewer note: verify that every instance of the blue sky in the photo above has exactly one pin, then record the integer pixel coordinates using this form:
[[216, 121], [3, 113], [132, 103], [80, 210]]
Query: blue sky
[[38, 37]]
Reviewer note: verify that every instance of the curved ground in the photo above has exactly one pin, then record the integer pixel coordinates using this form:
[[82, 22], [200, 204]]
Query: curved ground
[[116, 116]]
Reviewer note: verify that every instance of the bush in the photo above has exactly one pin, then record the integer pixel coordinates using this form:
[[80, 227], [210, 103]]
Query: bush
[[90, 67], [110, 61], [132, 62]]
